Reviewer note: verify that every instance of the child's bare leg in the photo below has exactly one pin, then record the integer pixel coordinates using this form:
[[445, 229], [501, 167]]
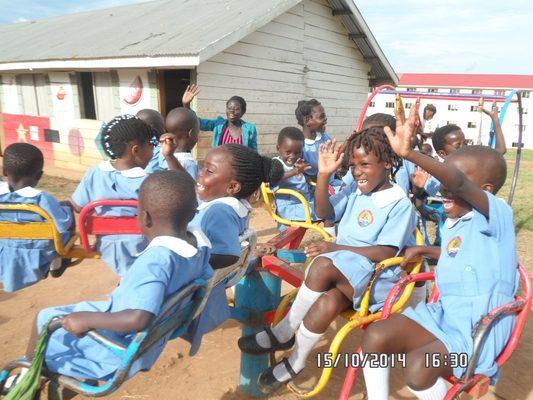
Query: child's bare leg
[[34, 336], [399, 334]]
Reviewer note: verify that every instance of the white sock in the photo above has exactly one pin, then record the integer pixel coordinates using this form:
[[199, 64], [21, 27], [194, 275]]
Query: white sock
[[418, 296], [305, 341], [377, 382], [14, 379], [288, 325], [436, 392]]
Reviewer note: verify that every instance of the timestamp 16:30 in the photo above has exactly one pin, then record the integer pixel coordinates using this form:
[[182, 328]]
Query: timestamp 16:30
[[376, 360]]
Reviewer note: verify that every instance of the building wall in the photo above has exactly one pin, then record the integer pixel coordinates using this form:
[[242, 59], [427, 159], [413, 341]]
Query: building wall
[[465, 114], [304, 53]]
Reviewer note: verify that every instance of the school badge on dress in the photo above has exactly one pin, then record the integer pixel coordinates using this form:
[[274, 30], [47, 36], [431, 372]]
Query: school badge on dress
[[453, 246], [365, 218]]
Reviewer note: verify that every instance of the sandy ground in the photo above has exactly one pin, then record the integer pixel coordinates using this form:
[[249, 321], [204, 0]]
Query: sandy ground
[[214, 372]]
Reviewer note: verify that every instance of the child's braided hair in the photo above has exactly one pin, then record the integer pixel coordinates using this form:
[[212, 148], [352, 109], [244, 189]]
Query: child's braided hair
[[374, 140], [123, 129], [252, 169], [304, 109]]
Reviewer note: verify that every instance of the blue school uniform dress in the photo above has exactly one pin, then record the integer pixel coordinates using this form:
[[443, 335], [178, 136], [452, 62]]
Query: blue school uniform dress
[[167, 265], [404, 175], [222, 221], [153, 165], [25, 262], [185, 159], [287, 206], [310, 151], [104, 182], [384, 218], [476, 272]]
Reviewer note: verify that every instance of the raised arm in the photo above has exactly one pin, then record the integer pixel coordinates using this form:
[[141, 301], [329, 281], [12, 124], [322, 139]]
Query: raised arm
[[498, 132], [168, 147], [450, 177], [329, 160], [189, 94]]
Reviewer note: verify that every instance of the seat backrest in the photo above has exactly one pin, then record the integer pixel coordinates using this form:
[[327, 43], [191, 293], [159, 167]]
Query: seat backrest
[[91, 224], [45, 230], [269, 199]]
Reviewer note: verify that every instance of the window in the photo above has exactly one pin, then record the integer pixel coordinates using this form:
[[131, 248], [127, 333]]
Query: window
[[433, 90], [408, 105], [411, 89], [372, 104], [525, 95], [389, 104], [499, 92], [453, 107], [472, 125], [473, 108], [34, 96], [454, 91], [476, 91]]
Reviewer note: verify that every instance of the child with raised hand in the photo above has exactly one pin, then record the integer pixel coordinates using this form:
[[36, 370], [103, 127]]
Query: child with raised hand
[[175, 257], [183, 124], [231, 174], [25, 262], [230, 130], [376, 220], [128, 142], [476, 272]]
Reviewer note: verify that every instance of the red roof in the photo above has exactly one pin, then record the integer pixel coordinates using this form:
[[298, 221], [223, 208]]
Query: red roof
[[467, 80]]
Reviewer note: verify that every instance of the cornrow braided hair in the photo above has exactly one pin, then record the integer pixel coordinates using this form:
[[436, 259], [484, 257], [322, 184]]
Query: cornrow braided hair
[[374, 140], [123, 129], [252, 169], [304, 109]]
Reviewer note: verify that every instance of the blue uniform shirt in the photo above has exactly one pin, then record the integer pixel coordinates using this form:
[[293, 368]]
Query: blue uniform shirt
[[476, 272], [167, 265], [185, 158], [287, 206], [103, 182], [384, 218], [222, 220], [310, 152], [25, 262]]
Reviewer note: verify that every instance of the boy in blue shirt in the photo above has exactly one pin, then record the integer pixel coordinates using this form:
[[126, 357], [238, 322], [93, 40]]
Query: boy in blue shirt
[[25, 262]]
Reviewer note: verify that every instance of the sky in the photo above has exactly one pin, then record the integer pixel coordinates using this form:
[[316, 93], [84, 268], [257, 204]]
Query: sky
[[438, 36]]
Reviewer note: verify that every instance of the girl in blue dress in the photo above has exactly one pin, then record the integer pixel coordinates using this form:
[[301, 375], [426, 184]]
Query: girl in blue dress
[[174, 257], [231, 174], [25, 262], [128, 141], [376, 220], [476, 272]]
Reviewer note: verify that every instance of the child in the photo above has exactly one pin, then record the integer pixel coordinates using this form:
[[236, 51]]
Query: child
[[376, 219], [232, 129], [476, 272], [173, 259], [157, 123], [426, 149], [231, 174], [429, 125], [312, 118], [183, 124], [128, 141], [25, 262]]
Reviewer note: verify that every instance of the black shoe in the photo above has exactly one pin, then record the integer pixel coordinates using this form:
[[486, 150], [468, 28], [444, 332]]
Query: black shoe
[[65, 263], [248, 344], [267, 382]]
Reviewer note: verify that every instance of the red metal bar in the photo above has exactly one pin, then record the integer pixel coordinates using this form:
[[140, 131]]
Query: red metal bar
[[283, 270], [349, 380], [87, 221], [367, 104], [289, 238]]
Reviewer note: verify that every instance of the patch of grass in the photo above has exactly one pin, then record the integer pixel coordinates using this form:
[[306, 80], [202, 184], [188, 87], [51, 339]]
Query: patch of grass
[[527, 155], [523, 197]]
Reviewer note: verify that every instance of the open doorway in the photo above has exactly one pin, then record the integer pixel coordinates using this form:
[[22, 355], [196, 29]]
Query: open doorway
[[172, 83], [87, 106]]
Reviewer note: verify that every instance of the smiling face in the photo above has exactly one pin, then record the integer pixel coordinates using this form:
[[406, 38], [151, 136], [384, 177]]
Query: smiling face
[[290, 151], [369, 173], [234, 111], [216, 179], [317, 121], [453, 141]]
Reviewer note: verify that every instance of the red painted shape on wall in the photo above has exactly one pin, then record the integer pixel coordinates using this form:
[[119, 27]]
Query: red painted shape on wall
[[28, 129], [135, 91]]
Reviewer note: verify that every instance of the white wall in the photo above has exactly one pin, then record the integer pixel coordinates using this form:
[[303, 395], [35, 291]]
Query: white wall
[[303, 53]]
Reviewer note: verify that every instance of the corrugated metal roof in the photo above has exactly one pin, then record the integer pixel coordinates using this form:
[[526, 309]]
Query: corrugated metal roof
[[155, 28], [166, 28]]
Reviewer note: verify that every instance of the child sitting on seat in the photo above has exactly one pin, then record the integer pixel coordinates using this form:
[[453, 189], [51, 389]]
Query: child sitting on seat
[[173, 259], [476, 272], [183, 124], [376, 220], [231, 174], [129, 142], [25, 262]]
